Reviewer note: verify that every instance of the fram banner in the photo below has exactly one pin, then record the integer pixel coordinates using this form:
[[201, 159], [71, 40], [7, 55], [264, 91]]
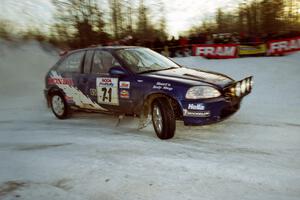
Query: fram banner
[[216, 50], [283, 46]]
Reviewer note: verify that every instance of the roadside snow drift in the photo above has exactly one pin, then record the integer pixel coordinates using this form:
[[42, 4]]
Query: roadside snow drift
[[252, 155]]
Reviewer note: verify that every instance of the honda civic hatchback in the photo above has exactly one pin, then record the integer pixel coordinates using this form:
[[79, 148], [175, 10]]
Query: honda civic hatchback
[[137, 81]]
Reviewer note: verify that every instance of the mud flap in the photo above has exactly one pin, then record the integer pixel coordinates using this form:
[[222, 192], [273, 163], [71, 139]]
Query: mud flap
[[145, 117]]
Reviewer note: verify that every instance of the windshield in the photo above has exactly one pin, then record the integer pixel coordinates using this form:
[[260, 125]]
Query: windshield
[[141, 60]]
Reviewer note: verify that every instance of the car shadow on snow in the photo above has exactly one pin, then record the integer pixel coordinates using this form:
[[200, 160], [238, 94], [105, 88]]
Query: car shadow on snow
[[129, 126]]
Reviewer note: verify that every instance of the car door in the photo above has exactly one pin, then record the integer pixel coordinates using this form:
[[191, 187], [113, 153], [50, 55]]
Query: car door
[[110, 92], [83, 78]]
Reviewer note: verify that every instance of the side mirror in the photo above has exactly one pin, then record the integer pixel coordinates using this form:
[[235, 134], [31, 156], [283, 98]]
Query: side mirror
[[117, 71]]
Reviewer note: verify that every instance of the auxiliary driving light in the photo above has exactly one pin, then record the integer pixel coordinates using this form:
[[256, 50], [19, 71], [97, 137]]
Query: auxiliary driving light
[[238, 89], [248, 85], [243, 86]]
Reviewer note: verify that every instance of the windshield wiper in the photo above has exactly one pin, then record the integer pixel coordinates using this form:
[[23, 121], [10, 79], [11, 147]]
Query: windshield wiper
[[171, 68], [156, 70], [149, 71]]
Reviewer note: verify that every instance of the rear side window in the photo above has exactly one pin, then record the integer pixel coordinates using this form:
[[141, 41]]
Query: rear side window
[[72, 63], [88, 61]]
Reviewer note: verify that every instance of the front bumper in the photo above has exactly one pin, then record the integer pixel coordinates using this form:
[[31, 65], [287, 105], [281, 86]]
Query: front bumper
[[209, 111]]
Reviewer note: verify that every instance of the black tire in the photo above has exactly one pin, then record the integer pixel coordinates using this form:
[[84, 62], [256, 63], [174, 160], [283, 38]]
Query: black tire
[[168, 120], [65, 112]]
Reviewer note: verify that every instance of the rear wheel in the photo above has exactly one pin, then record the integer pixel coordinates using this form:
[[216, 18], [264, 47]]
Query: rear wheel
[[59, 106], [163, 118]]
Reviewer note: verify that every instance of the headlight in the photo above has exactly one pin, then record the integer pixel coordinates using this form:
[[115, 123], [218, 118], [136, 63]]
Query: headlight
[[202, 92]]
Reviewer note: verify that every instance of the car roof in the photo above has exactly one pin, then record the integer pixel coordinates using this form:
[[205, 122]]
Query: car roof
[[104, 48]]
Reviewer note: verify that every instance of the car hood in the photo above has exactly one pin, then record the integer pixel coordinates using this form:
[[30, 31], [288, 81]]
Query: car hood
[[195, 75]]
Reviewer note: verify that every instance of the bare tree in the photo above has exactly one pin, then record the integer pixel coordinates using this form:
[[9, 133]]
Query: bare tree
[[81, 20], [117, 18], [5, 29]]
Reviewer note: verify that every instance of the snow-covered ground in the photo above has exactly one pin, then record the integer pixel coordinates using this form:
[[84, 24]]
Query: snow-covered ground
[[252, 155]]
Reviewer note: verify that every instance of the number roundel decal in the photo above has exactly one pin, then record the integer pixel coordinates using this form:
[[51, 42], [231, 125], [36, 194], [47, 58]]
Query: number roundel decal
[[107, 91]]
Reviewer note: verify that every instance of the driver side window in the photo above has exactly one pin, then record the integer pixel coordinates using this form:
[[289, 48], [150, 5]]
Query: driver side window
[[102, 62]]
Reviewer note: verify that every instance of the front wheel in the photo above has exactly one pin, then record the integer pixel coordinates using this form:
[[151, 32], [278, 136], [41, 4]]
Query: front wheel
[[59, 106], [163, 118]]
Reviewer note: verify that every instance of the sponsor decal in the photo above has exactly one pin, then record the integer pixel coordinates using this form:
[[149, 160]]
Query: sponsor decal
[[93, 92], [124, 84], [216, 50], [283, 46], [187, 113], [124, 94], [163, 86], [198, 106], [252, 50], [60, 81], [105, 82], [74, 93]]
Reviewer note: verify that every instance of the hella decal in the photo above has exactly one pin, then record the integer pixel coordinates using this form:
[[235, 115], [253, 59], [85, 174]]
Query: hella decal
[[198, 106]]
